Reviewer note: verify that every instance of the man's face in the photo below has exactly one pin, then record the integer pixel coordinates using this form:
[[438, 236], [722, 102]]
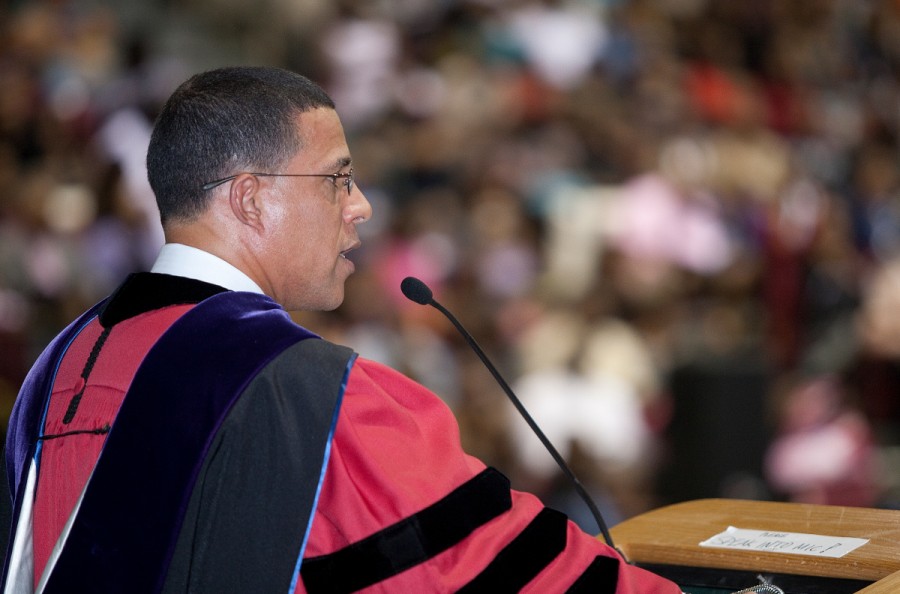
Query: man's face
[[313, 219]]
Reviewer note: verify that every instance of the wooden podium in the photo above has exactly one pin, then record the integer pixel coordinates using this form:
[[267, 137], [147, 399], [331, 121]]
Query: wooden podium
[[666, 540]]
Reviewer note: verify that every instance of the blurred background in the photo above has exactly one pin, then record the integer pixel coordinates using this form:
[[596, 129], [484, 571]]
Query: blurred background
[[674, 225]]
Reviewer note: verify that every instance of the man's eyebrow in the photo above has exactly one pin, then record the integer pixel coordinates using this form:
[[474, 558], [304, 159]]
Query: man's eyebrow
[[343, 162]]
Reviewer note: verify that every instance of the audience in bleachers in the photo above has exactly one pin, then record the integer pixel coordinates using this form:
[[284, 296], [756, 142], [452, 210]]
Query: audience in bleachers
[[664, 219]]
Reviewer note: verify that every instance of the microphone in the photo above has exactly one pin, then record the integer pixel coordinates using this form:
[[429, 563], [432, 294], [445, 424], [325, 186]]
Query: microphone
[[418, 292]]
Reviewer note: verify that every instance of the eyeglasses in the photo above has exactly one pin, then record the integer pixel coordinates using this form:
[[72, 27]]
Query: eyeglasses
[[347, 177]]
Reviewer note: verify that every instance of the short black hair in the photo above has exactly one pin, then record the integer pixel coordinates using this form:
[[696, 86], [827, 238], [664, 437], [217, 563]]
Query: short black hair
[[222, 122]]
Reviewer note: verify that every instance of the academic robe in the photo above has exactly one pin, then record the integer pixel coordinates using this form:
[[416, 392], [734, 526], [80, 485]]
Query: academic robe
[[249, 455]]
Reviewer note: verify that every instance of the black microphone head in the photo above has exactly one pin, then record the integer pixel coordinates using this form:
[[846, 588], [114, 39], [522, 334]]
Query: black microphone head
[[415, 290]]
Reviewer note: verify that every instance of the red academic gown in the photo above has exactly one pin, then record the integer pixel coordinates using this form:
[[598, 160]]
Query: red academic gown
[[396, 451], [401, 507]]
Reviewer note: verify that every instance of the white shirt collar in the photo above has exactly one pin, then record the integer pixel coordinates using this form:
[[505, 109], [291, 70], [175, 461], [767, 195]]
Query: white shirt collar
[[183, 260]]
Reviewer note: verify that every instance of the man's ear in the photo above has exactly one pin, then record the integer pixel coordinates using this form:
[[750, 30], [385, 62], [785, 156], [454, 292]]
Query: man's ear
[[245, 200]]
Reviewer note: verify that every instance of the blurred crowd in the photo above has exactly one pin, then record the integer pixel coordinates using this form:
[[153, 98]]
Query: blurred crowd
[[673, 224]]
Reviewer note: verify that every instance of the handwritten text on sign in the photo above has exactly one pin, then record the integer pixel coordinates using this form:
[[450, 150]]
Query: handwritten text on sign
[[770, 541]]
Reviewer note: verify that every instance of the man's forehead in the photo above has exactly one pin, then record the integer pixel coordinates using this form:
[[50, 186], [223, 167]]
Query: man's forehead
[[322, 137]]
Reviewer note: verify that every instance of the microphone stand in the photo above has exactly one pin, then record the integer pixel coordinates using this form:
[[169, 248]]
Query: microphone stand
[[417, 291]]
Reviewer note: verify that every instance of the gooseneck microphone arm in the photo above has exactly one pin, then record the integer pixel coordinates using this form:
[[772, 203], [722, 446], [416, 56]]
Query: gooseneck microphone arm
[[417, 291]]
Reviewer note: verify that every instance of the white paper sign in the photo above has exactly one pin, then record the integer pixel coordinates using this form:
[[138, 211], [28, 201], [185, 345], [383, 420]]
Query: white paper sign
[[793, 543]]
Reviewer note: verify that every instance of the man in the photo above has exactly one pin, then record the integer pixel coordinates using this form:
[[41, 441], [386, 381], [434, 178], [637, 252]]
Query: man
[[186, 435]]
